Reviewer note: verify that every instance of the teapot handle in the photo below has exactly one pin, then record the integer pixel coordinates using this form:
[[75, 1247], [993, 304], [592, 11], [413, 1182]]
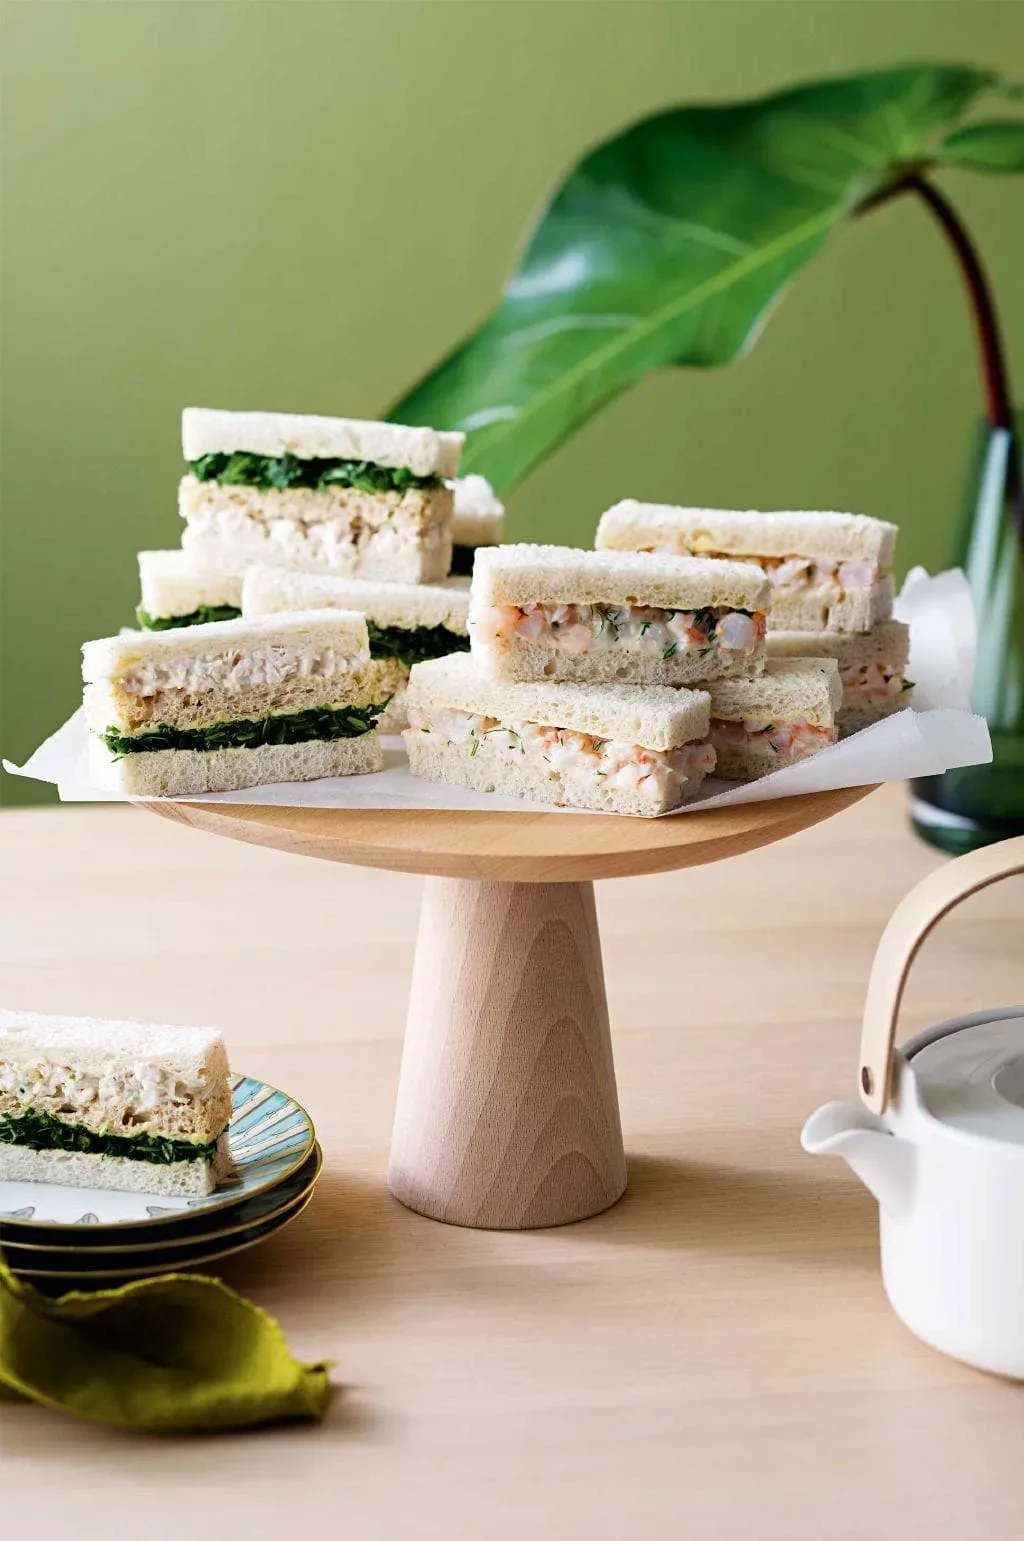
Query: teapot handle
[[914, 918]]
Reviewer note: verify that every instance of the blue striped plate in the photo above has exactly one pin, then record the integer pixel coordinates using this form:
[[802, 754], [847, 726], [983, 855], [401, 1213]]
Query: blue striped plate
[[270, 1137]]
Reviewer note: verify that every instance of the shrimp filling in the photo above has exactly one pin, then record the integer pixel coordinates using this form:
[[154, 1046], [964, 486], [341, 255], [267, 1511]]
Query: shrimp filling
[[870, 681], [791, 741], [655, 773], [791, 576], [652, 631]]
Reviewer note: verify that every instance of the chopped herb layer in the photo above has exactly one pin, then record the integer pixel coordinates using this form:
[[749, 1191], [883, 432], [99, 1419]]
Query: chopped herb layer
[[317, 722], [414, 644], [200, 617], [37, 1130], [281, 471]]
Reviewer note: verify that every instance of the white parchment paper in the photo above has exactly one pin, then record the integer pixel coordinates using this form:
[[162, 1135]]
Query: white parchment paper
[[936, 734]]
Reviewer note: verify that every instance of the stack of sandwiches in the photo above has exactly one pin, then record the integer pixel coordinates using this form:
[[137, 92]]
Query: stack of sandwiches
[[578, 686], [831, 587], [321, 514], [320, 596], [774, 631]]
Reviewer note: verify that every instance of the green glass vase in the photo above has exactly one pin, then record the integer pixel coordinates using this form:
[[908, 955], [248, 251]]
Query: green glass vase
[[979, 804]]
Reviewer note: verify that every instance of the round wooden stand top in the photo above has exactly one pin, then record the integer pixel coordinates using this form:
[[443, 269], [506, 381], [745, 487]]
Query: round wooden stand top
[[513, 847]]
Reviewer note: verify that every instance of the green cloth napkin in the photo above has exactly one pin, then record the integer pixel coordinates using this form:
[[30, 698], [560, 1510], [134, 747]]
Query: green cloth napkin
[[180, 1352]]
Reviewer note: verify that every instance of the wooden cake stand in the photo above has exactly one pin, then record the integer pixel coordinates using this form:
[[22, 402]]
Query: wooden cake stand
[[507, 1114]]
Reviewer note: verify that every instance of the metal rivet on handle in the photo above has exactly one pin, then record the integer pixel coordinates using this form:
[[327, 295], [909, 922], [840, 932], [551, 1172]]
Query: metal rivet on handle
[[867, 1080]]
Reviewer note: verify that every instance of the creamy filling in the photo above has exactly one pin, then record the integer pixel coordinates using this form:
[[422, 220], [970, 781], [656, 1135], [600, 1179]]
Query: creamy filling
[[791, 741], [237, 670], [792, 576], [624, 767], [147, 1088], [650, 630], [870, 681]]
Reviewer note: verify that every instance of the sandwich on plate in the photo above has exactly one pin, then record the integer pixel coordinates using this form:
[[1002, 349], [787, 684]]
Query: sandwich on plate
[[320, 494], [232, 704], [872, 668], [175, 592], [478, 520], [610, 748], [762, 725], [553, 612], [828, 572], [407, 623], [94, 1104]]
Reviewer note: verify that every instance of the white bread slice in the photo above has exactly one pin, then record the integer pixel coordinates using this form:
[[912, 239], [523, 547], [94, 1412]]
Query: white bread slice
[[342, 631], [627, 663], [173, 584], [79, 1169], [857, 611], [655, 718], [489, 769], [790, 688], [887, 643], [130, 1077], [188, 772], [526, 574], [479, 517], [402, 537], [423, 451], [271, 590], [826, 537]]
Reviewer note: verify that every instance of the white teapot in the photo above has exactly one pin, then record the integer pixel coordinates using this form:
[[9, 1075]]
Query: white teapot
[[939, 1139]]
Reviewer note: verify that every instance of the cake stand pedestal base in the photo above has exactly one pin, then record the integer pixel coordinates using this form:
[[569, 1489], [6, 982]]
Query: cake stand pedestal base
[[507, 1114]]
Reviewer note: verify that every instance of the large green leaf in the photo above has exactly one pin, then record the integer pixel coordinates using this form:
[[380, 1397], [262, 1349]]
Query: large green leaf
[[669, 244], [997, 145]]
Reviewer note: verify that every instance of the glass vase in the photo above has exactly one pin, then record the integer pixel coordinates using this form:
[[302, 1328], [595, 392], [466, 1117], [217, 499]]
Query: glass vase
[[979, 804]]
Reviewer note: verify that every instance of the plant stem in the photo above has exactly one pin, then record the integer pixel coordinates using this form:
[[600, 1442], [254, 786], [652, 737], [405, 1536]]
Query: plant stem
[[998, 397]]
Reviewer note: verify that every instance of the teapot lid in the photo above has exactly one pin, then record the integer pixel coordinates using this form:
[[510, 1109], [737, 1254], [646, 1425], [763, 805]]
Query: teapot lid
[[970, 1073]]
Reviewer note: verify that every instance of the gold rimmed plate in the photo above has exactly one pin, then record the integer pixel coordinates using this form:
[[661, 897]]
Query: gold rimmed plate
[[77, 1242], [54, 1266]]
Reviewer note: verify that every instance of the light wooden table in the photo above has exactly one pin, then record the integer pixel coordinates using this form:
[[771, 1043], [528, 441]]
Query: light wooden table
[[713, 1357]]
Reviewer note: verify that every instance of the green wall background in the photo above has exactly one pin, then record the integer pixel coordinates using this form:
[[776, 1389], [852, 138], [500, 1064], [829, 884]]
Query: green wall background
[[298, 204]]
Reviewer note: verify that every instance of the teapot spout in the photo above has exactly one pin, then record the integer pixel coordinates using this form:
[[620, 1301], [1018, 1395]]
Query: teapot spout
[[883, 1162]]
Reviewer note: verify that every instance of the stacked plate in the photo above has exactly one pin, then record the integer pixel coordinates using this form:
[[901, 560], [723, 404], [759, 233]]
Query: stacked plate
[[84, 1235]]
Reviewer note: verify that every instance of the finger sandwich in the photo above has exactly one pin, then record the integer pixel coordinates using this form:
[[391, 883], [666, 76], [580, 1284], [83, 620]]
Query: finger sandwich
[[762, 725], [231, 704], [828, 572], [177, 592], [318, 494], [609, 748], [407, 623], [557, 613], [125, 1105], [872, 668]]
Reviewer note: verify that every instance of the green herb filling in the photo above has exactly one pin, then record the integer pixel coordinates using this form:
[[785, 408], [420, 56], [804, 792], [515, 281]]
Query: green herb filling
[[37, 1130], [199, 617], [317, 722], [414, 644], [281, 471]]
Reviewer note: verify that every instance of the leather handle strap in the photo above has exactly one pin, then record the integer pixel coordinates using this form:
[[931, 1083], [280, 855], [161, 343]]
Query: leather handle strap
[[915, 917]]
